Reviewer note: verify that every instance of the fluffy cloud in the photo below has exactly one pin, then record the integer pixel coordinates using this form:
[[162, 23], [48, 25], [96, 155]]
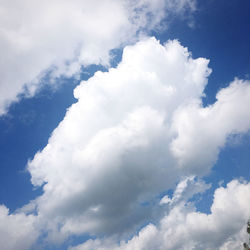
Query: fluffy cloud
[[17, 231], [59, 36], [185, 228], [203, 131], [111, 152], [133, 132]]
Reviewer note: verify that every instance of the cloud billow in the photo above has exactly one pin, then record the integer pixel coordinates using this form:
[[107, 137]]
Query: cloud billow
[[133, 133]]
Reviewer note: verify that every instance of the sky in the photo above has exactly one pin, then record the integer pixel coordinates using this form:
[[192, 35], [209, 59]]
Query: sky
[[124, 124]]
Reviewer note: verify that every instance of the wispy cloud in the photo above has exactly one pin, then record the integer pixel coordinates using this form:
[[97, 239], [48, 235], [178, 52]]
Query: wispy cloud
[[37, 37]]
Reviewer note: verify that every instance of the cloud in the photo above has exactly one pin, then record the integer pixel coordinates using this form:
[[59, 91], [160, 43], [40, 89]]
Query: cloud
[[17, 231], [58, 37], [203, 131], [111, 152], [133, 133], [185, 228], [185, 190]]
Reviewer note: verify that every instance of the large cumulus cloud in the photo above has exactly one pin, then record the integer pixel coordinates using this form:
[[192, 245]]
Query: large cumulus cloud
[[59, 36], [133, 132]]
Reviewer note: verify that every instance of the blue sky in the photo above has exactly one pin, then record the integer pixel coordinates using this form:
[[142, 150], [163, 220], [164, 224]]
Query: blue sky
[[123, 137]]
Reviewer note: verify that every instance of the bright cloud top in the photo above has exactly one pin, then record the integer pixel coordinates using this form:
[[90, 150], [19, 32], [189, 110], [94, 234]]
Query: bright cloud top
[[133, 132], [59, 36]]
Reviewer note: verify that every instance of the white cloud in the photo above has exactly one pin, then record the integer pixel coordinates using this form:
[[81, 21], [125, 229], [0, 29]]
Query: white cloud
[[17, 231], [111, 152], [133, 133], [185, 228], [186, 189], [60, 36], [203, 131]]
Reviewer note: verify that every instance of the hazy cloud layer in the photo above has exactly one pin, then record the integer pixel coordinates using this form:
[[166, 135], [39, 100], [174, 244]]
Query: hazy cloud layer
[[133, 133], [185, 228], [37, 37]]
